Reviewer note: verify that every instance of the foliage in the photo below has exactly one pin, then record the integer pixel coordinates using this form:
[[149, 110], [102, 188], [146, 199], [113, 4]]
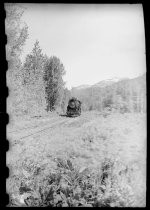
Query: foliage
[[33, 65], [54, 84], [124, 96], [39, 80], [111, 150], [33, 81], [17, 33], [16, 30], [72, 186]]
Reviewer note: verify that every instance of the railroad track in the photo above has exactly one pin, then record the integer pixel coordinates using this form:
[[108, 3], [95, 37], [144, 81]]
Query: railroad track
[[31, 127], [19, 135]]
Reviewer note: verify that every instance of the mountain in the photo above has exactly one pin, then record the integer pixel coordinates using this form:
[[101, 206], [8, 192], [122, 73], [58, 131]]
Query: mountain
[[124, 93], [82, 87], [102, 83], [105, 83]]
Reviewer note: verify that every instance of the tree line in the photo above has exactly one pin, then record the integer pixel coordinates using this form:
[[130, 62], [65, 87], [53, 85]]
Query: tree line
[[35, 86]]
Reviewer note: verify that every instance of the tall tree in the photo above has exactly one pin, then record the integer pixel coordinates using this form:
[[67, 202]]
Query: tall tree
[[33, 80], [54, 84], [17, 33], [16, 30], [33, 65]]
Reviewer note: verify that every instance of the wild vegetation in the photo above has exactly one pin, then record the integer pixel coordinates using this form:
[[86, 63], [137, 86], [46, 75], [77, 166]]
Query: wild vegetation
[[93, 160], [97, 159], [36, 86]]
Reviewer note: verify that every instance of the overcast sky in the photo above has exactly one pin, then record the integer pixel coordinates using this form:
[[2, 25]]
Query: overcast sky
[[94, 42]]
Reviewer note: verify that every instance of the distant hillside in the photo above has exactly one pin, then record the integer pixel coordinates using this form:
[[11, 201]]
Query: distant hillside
[[102, 83], [130, 94], [82, 87], [107, 82]]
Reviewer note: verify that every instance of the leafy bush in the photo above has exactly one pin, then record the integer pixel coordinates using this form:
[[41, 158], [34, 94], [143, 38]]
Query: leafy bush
[[72, 186]]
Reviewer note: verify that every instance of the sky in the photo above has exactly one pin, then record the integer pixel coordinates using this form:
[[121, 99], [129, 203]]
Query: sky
[[94, 42]]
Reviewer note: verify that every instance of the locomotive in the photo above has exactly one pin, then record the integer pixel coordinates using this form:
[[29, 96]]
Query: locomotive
[[74, 107]]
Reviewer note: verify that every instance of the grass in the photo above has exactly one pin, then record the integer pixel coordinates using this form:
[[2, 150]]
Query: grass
[[91, 160]]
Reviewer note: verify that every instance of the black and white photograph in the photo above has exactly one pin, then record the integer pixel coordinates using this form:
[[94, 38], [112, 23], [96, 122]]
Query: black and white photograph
[[77, 105]]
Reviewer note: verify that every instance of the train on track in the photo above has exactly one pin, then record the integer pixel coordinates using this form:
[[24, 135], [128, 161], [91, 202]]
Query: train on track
[[74, 108]]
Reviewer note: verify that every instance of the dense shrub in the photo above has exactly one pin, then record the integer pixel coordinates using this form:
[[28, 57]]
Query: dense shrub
[[72, 186]]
